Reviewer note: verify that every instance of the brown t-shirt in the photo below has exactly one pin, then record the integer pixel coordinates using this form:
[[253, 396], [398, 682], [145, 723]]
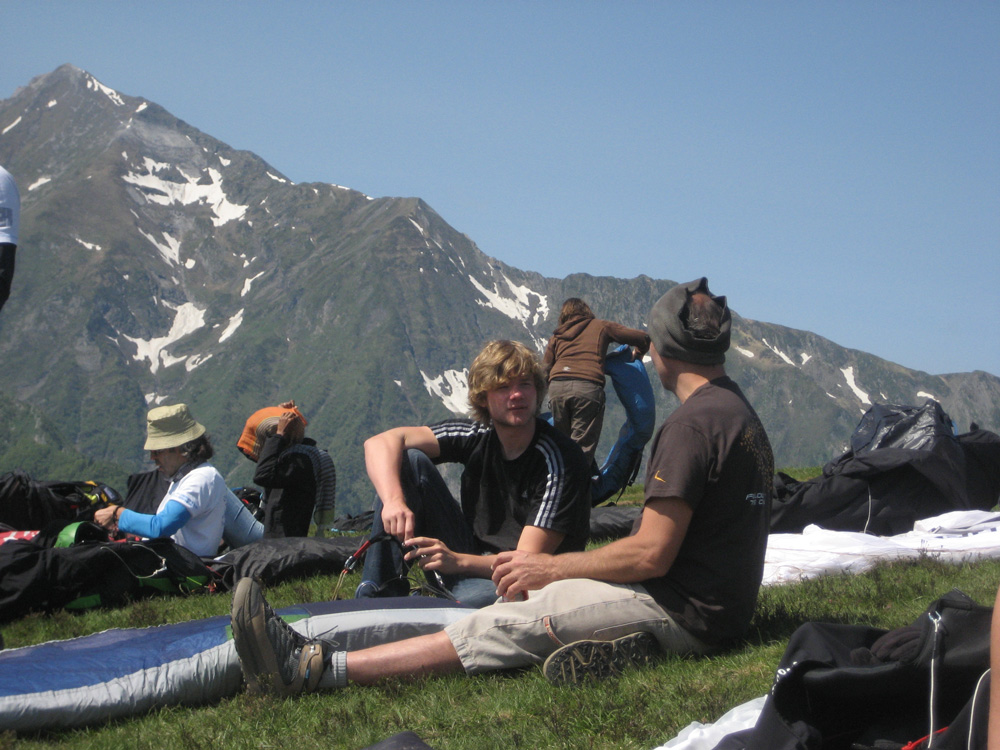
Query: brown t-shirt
[[713, 453]]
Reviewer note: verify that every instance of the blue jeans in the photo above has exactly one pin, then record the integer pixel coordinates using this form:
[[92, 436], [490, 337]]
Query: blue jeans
[[437, 515], [241, 527]]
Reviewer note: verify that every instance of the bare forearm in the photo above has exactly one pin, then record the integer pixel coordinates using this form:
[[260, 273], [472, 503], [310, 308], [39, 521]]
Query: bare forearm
[[478, 566], [623, 561], [383, 459], [647, 554]]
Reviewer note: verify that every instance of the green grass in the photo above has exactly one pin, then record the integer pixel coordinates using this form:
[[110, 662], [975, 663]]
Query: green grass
[[512, 710], [802, 473], [518, 709]]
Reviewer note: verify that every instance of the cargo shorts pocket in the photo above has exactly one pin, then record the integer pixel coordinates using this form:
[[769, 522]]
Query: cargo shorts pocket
[[604, 621]]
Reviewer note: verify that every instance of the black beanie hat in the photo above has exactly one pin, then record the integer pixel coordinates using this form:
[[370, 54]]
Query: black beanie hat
[[668, 327]]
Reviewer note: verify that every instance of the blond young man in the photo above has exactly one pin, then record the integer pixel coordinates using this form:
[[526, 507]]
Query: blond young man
[[524, 485]]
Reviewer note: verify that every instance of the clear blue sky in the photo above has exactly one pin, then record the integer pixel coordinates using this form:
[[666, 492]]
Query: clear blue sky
[[830, 166]]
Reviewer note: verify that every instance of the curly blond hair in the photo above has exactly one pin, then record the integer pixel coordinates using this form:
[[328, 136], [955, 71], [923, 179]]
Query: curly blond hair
[[498, 364]]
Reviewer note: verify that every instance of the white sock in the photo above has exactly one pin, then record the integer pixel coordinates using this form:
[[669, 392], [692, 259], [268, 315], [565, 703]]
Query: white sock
[[335, 674]]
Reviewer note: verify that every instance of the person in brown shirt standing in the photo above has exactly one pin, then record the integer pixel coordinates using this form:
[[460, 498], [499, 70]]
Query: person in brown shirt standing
[[574, 361]]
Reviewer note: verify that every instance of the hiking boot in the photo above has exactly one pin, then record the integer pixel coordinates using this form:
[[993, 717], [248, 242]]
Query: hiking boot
[[593, 661], [274, 658]]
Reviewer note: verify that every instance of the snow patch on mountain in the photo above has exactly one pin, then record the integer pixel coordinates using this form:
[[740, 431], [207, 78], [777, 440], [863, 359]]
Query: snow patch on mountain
[[516, 307], [38, 183], [11, 126], [170, 249], [745, 352], [849, 379], [780, 353], [924, 394], [234, 322], [94, 85], [451, 387], [248, 282], [88, 245], [141, 107], [196, 360], [52, 103], [165, 192], [187, 319]]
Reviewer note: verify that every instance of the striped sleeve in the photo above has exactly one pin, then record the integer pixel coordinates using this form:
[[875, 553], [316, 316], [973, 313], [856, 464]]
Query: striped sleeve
[[555, 483], [457, 438]]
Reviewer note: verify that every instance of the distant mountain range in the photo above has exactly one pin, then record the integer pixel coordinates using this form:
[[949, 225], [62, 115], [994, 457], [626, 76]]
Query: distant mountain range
[[157, 265]]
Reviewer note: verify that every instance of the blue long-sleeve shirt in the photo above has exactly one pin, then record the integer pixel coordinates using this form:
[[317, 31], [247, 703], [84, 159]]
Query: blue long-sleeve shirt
[[165, 523]]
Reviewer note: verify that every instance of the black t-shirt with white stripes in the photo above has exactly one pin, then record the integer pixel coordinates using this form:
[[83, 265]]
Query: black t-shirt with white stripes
[[547, 486]]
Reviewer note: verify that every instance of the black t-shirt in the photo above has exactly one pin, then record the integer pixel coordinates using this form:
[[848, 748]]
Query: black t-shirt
[[713, 453], [547, 486]]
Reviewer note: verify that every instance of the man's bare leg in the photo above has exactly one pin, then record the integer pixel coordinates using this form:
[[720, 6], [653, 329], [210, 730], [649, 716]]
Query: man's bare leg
[[412, 657]]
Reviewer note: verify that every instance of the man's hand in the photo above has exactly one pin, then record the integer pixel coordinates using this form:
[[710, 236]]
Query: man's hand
[[288, 420], [432, 554], [397, 519], [517, 572], [106, 517]]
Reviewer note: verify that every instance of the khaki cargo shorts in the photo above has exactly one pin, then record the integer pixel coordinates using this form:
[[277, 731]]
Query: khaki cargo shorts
[[519, 634]]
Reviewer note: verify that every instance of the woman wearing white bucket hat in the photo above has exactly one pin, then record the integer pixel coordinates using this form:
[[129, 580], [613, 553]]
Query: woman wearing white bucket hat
[[198, 509]]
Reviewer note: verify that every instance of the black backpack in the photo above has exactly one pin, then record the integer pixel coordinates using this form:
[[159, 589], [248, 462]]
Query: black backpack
[[850, 686], [27, 504], [44, 574]]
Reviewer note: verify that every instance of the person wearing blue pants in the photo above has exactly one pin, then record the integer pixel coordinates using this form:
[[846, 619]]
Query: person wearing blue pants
[[524, 485]]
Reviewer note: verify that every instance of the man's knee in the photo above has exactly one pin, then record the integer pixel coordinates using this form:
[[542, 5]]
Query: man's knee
[[418, 464]]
